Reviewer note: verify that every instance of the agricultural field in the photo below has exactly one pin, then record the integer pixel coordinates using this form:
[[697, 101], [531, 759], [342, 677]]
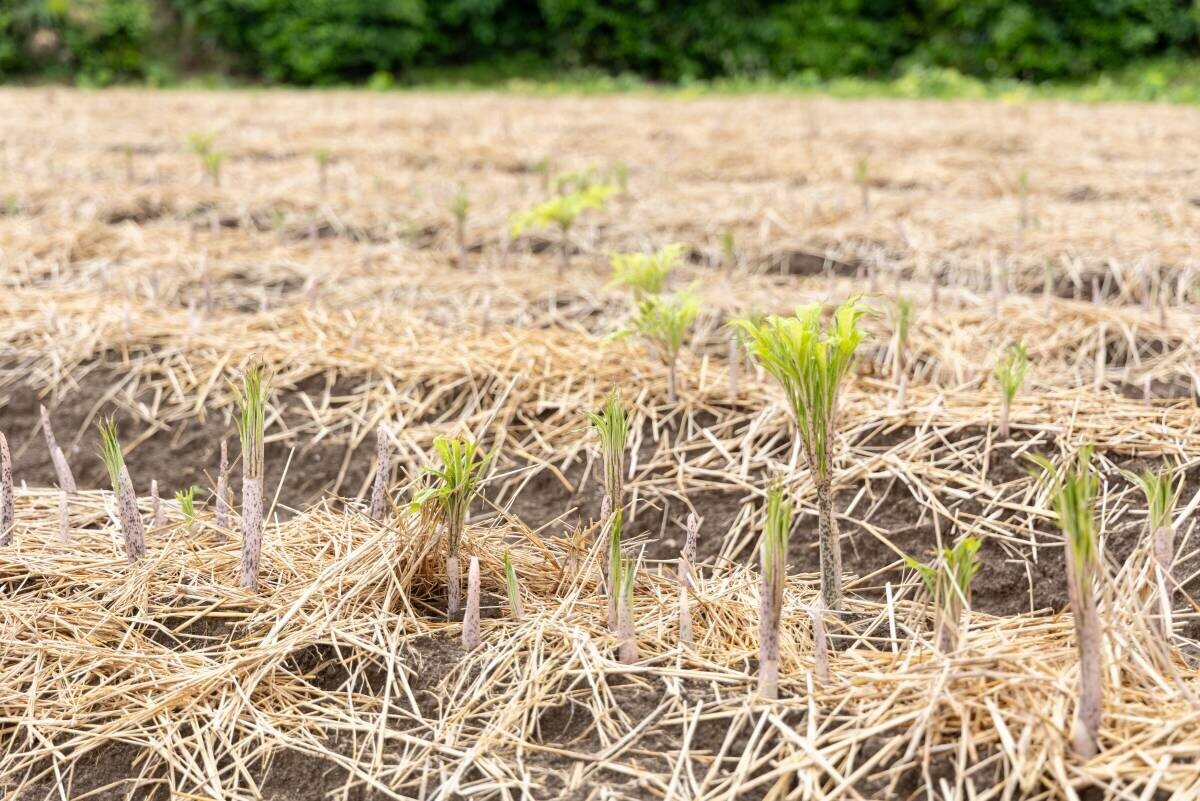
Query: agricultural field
[[438, 446]]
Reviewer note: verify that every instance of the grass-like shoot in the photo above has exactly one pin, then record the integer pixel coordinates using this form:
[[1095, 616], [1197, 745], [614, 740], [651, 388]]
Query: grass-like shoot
[[645, 273], [132, 528], [665, 321], [187, 504], [776, 533], [204, 146], [455, 484], [513, 589], [1072, 493], [560, 212], [948, 581], [251, 426], [612, 427], [1011, 369], [811, 366]]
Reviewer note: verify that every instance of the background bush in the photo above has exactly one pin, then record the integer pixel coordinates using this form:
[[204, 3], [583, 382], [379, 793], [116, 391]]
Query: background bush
[[338, 41]]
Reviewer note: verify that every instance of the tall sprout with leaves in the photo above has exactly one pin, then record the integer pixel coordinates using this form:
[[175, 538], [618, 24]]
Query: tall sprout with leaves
[[1011, 369], [612, 427], [810, 365], [665, 321], [948, 581], [204, 146], [454, 485], [251, 426], [1072, 492], [776, 533], [561, 212], [132, 528], [645, 273]]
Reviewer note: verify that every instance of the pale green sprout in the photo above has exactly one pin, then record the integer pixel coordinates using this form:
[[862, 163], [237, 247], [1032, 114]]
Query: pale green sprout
[[627, 577], [729, 250], [948, 581], [645, 273], [455, 484], [614, 570], [187, 503], [110, 452], [1011, 370], [810, 365], [251, 424], [1162, 489], [561, 212], [612, 427], [204, 146], [665, 321]]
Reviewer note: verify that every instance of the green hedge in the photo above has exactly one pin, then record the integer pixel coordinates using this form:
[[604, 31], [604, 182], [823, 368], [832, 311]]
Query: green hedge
[[338, 41]]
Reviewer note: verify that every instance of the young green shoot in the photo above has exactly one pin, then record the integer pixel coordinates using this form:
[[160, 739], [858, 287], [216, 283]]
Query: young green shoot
[[204, 146], [251, 426], [1072, 492], [1011, 369], [645, 273], [132, 528], [665, 322], [811, 367], [948, 582], [612, 428], [774, 552], [561, 212], [454, 486]]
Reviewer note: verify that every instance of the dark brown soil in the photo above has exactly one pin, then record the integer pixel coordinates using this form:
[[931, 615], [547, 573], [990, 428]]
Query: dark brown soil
[[181, 455]]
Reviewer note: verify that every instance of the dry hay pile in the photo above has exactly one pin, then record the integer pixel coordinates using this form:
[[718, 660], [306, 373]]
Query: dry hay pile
[[132, 284]]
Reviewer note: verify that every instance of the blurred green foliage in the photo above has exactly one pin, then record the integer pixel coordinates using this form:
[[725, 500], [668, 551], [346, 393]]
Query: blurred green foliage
[[380, 42]]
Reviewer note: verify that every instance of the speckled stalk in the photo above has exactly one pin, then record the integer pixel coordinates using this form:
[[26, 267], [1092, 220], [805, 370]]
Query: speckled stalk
[[470, 628], [131, 519], [66, 480], [768, 643], [383, 468], [7, 509], [252, 519], [453, 587], [64, 520], [222, 511]]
